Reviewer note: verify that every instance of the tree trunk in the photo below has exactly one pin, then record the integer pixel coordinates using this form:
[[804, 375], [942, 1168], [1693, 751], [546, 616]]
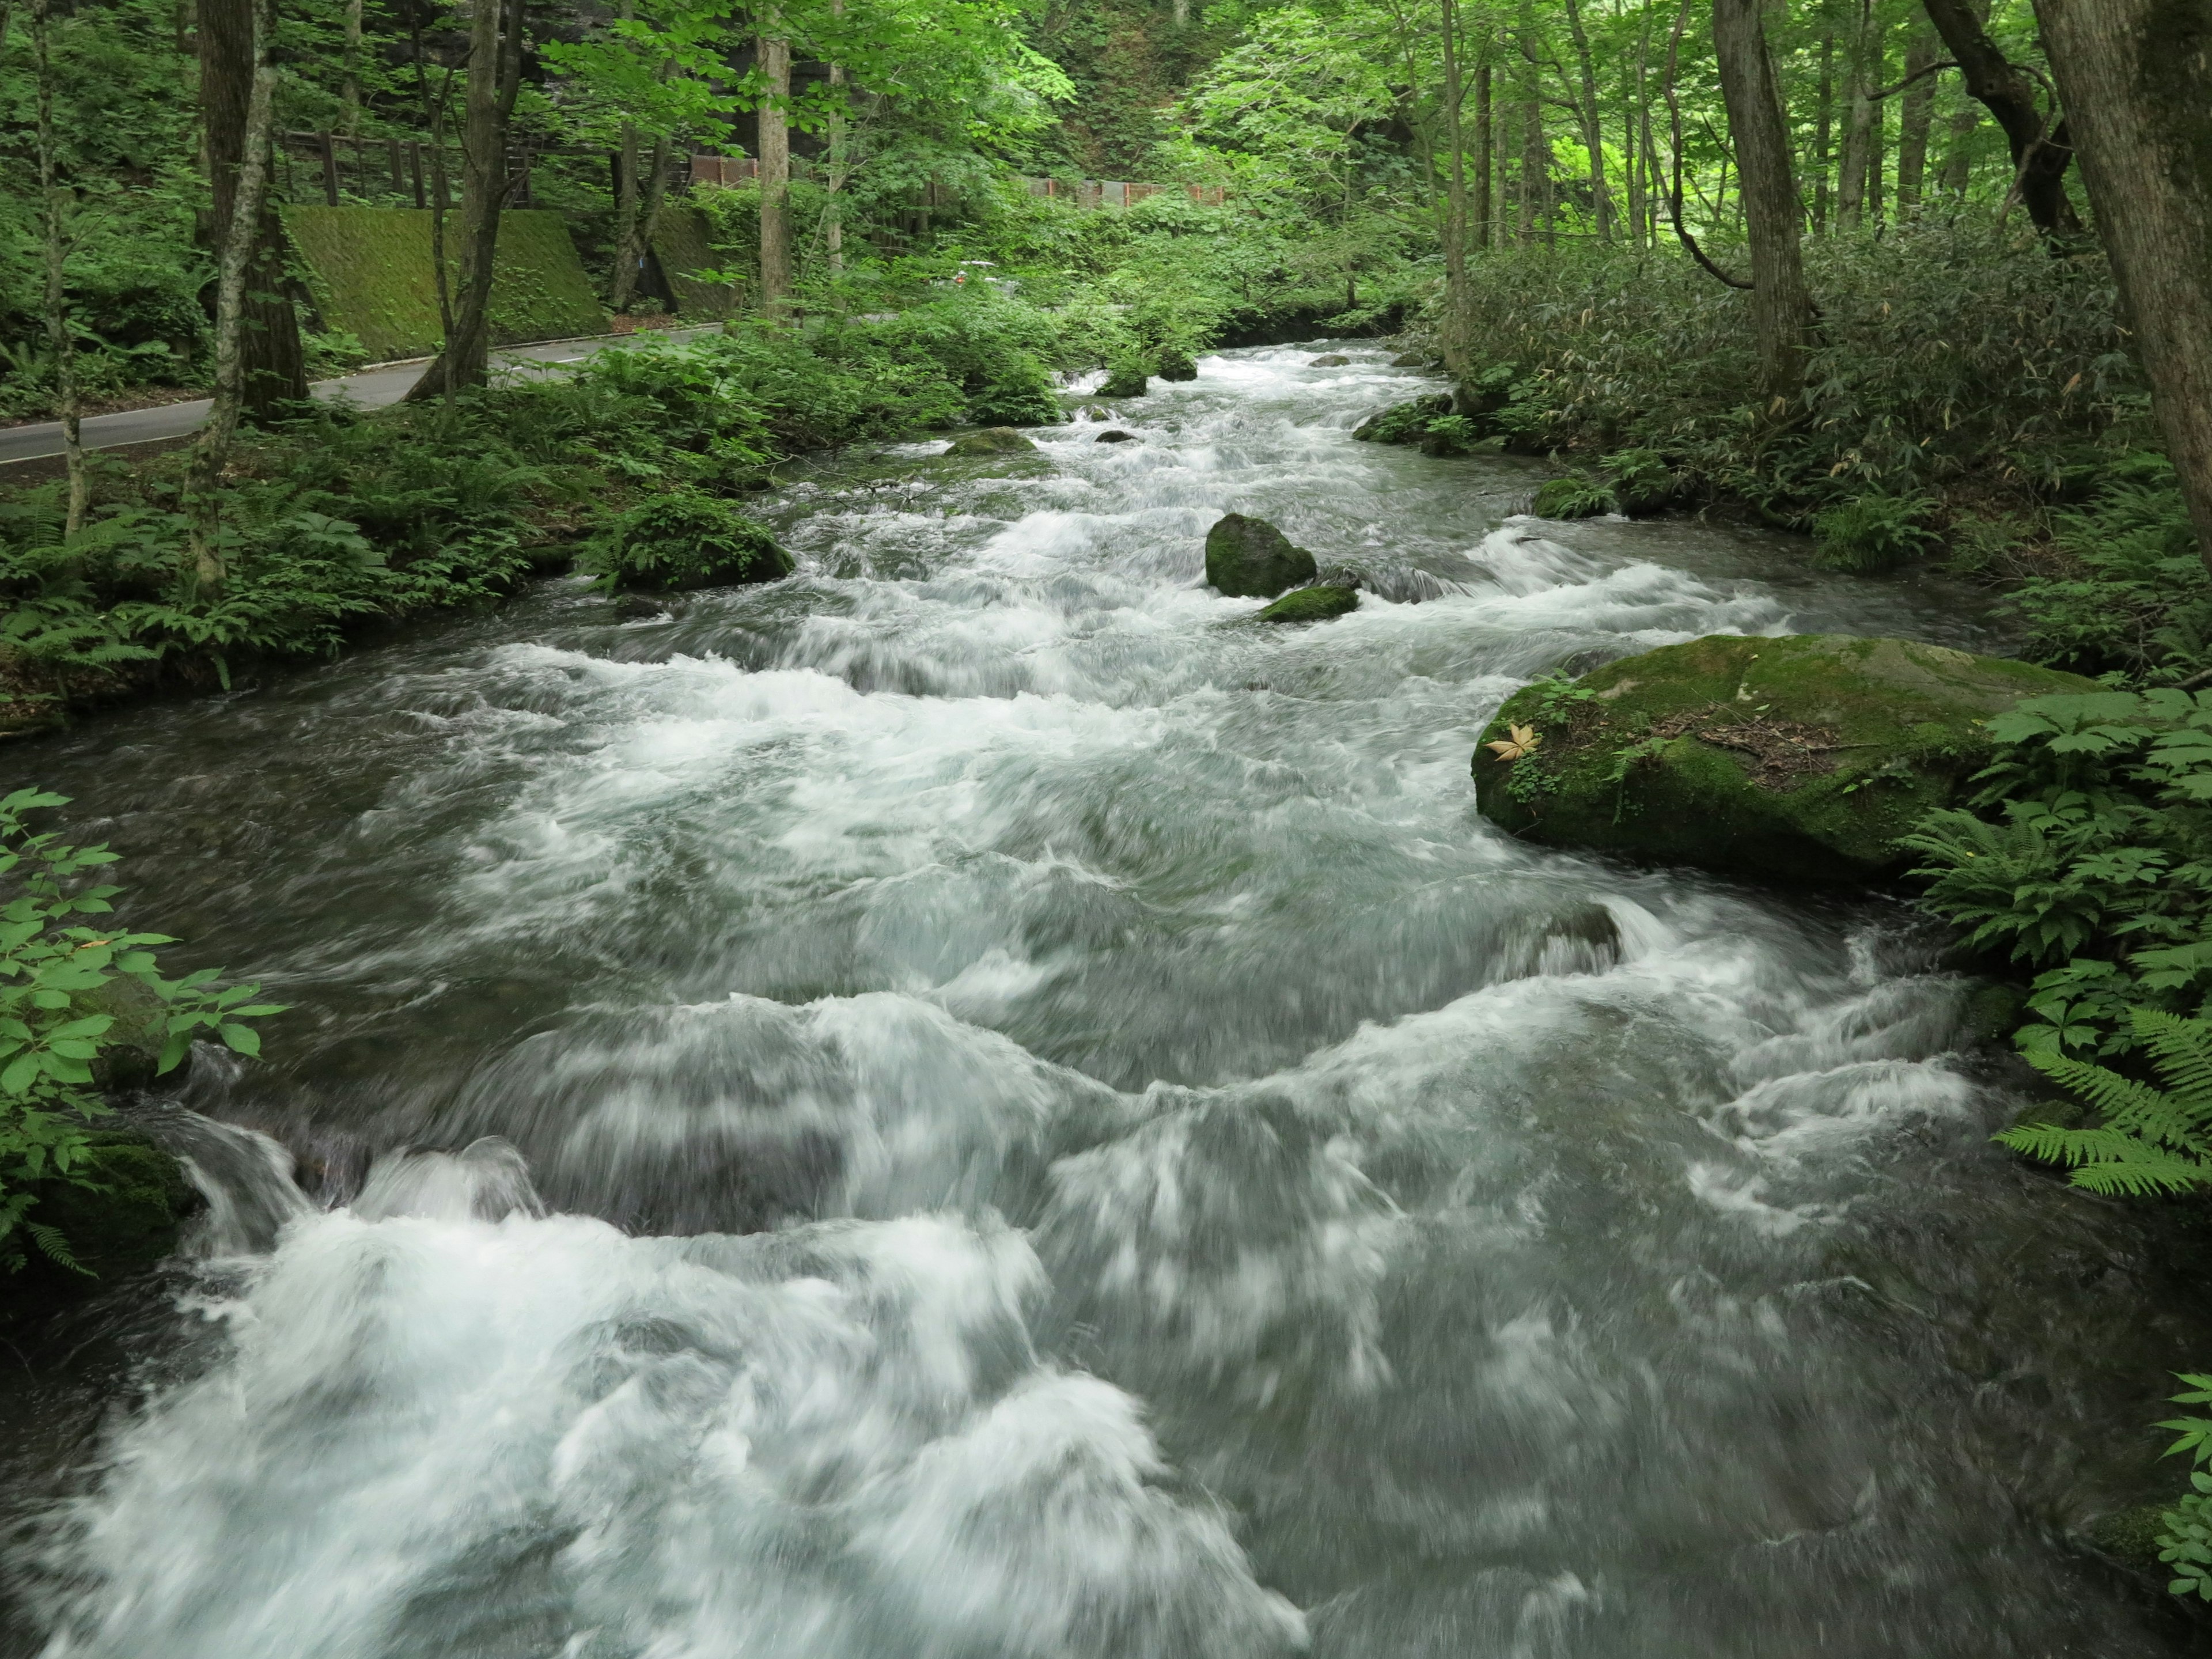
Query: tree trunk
[[495, 77], [1455, 294], [1918, 118], [833, 212], [1592, 134], [1483, 205], [349, 85], [2008, 95], [275, 364], [2133, 74], [53, 198], [774, 175], [1858, 120], [1823, 124], [1638, 109], [237, 245], [621, 285], [1534, 171], [1878, 125], [1781, 308]]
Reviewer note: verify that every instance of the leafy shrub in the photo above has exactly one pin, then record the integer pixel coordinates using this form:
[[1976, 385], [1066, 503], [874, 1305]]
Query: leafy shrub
[[685, 540], [1577, 495], [55, 976], [1404, 423], [1643, 481], [1870, 533], [1126, 377], [1176, 364], [2088, 855], [2185, 1539]]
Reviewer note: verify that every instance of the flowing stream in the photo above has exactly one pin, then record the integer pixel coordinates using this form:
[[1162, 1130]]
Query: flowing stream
[[977, 1104]]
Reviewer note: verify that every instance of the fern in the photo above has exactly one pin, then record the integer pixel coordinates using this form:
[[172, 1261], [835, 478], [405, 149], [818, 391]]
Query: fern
[[55, 1248], [2152, 1140]]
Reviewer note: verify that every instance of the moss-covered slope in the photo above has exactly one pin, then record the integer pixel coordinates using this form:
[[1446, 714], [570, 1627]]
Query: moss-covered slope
[[1799, 759], [370, 271]]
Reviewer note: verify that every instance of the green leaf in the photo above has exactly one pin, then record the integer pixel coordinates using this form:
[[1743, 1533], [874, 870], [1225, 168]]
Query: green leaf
[[243, 1039]]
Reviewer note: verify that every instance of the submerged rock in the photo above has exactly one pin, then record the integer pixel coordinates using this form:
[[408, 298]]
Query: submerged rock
[[1095, 412], [1413, 360], [1312, 604], [1329, 360], [1800, 759], [1115, 435], [1250, 558], [991, 440]]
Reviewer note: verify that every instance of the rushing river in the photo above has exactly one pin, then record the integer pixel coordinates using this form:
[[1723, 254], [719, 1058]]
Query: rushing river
[[976, 1104]]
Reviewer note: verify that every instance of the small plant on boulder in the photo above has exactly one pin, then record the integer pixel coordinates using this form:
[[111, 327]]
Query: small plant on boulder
[[1577, 495], [1125, 377], [1872, 533], [682, 540]]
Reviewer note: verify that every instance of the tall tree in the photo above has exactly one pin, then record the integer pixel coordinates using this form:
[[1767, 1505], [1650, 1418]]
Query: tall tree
[[774, 61], [2039, 153], [1860, 74], [2133, 74], [1781, 307], [1588, 109], [1919, 115], [494, 78], [55, 213], [238, 243], [272, 361]]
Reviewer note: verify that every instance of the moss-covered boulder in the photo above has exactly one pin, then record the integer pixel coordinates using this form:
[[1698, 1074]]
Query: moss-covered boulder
[[131, 1049], [1127, 379], [1404, 423], [991, 440], [1800, 759], [121, 1224], [1175, 365], [1304, 604], [1328, 360], [1250, 558], [687, 539]]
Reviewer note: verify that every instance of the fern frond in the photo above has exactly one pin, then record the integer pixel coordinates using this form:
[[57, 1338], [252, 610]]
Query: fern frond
[[2184, 1050], [54, 1246], [2050, 1144], [2122, 1101], [2147, 1176]]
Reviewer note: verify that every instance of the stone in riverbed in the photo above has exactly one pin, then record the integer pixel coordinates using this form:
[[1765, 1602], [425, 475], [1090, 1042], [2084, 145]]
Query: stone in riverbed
[[1800, 759], [1176, 366], [1127, 381], [1304, 604], [1115, 435], [991, 440], [1329, 360], [1250, 558]]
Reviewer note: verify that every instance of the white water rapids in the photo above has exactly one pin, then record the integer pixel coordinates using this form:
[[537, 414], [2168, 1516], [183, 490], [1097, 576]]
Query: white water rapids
[[976, 1104]]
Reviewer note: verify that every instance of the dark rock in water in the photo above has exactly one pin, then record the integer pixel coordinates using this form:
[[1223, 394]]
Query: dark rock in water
[[1329, 360], [1176, 366], [1800, 759], [1403, 423], [1412, 359], [1303, 604], [122, 1228], [991, 440], [635, 607], [2130, 1537], [1095, 412], [1250, 558], [1127, 381], [134, 1042], [1114, 435]]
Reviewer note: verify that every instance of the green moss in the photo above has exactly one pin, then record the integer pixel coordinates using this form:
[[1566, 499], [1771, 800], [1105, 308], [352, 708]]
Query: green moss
[[991, 440], [687, 539], [1250, 558], [1876, 733], [370, 272], [122, 1224], [1125, 381], [680, 243], [2130, 1537], [1403, 423], [1312, 604], [136, 1040], [1176, 366]]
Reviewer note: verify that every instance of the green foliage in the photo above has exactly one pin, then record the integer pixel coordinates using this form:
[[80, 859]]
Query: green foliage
[[2146, 1140], [1125, 377], [685, 539], [53, 968], [1871, 533], [1577, 495], [1404, 423], [2088, 855], [2185, 1540]]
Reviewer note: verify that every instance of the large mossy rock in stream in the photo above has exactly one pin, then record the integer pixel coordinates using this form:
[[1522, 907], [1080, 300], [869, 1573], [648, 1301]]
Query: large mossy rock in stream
[[992, 441], [1800, 759], [1250, 558], [1319, 604], [688, 539], [121, 1224]]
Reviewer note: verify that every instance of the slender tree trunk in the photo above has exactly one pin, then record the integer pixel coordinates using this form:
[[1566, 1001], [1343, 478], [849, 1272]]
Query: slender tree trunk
[[54, 199], [833, 230], [1959, 155], [2133, 74], [1535, 179], [1592, 134], [1456, 302], [1878, 127], [275, 362], [775, 173], [1858, 119], [349, 84], [237, 243], [1824, 122], [1483, 205], [622, 286], [1638, 110], [1921, 53], [1781, 307], [2039, 160], [495, 77]]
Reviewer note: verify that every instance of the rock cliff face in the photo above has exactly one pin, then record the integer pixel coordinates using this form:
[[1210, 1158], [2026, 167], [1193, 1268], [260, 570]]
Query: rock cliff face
[[1799, 759]]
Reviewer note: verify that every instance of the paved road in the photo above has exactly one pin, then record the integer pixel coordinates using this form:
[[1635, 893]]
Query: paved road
[[372, 388]]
